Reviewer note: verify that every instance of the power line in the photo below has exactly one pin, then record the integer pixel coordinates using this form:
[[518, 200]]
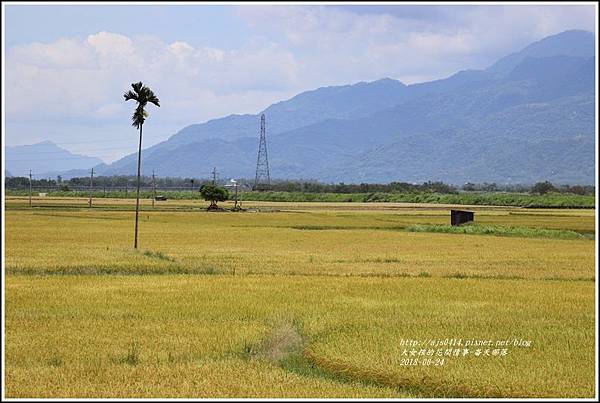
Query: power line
[[63, 151], [91, 142], [200, 175], [78, 142], [49, 159], [32, 153], [70, 157]]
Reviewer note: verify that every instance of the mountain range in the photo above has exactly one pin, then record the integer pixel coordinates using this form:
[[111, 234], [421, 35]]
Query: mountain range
[[45, 159], [528, 117]]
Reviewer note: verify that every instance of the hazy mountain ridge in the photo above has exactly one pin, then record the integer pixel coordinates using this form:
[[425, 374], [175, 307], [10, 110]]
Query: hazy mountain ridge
[[529, 117], [575, 43], [45, 158]]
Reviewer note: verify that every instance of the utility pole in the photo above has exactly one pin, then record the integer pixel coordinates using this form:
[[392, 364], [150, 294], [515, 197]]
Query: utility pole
[[244, 186], [153, 189], [30, 188], [137, 198], [236, 197], [233, 183], [214, 172], [91, 187]]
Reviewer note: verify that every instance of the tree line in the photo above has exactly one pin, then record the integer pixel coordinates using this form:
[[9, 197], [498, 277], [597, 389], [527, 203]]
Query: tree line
[[109, 182], [122, 182]]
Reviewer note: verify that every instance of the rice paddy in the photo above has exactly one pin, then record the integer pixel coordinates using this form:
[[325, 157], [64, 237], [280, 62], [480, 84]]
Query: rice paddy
[[296, 300]]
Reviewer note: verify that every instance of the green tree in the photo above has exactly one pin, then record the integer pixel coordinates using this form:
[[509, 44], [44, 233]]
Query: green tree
[[142, 95], [214, 194], [578, 190], [469, 187], [543, 188]]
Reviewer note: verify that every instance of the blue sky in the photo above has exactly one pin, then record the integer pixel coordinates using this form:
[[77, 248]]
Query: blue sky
[[71, 63], [209, 26]]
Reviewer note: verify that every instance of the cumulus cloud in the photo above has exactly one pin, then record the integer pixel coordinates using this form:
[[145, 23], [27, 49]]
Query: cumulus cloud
[[73, 77]]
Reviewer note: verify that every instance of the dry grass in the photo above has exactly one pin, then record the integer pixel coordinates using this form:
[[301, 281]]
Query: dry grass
[[192, 333], [283, 341], [344, 244], [308, 302]]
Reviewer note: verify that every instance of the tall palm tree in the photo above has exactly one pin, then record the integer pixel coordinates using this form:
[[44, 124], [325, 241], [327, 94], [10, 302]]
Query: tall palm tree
[[142, 95]]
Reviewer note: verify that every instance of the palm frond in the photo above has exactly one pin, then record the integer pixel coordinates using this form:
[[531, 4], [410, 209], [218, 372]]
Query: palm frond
[[153, 99], [149, 96], [137, 87], [142, 95], [130, 95], [138, 118]]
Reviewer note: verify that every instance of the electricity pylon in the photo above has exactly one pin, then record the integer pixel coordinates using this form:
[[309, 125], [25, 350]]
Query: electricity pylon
[[262, 180]]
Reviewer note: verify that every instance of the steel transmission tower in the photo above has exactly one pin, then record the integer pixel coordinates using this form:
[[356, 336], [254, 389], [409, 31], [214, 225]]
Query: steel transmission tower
[[262, 181]]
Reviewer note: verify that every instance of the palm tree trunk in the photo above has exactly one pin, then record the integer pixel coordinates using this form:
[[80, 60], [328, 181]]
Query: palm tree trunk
[[137, 199]]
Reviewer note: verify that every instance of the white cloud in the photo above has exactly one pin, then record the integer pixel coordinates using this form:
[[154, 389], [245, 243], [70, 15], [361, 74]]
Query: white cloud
[[292, 49], [356, 43], [109, 46], [64, 53], [84, 78]]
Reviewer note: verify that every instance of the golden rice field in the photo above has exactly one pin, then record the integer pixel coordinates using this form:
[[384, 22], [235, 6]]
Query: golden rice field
[[294, 300]]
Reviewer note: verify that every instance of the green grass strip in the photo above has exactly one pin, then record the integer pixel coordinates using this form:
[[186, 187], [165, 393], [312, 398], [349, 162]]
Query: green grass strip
[[497, 230]]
